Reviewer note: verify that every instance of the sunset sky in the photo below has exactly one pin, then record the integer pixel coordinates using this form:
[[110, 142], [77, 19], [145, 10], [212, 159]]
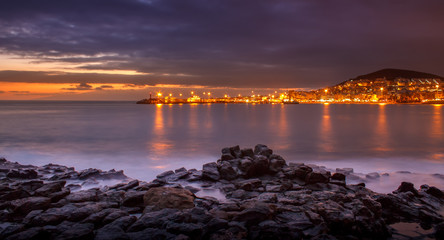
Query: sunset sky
[[124, 49]]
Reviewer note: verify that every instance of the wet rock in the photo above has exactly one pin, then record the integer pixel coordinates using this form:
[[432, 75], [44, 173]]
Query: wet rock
[[226, 157], [276, 164], [165, 174], [373, 175], [254, 215], [236, 151], [49, 188], [317, 177], [151, 233], [434, 191], [345, 171], [338, 177], [210, 172], [83, 196], [165, 197], [226, 171], [133, 199], [14, 194], [8, 228], [25, 205], [35, 233], [193, 230], [249, 184], [261, 149], [247, 152], [22, 173], [57, 196], [259, 166], [406, 187], [300, 172], [245, 164], [78, 231]]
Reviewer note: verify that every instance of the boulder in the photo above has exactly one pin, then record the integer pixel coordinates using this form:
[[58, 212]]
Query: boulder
[[166, 197], [276, 164], [226, 171], [235, 151], [210, 172], [406, 187], [133, 199], [301, 172], [49, 188], [259, 166], [261, 149], [372, 175], [317, 177], [249, 184], [165, 174], [434, 191], [247, 152], [83, 196], [226, 157], [254, 215], [22, 173], [245, 164], [25, 205]]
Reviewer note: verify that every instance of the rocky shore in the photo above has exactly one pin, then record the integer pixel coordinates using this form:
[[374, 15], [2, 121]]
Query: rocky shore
[[246, 194]]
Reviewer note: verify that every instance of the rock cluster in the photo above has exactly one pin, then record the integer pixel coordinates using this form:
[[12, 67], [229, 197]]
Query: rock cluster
[[262, 197]]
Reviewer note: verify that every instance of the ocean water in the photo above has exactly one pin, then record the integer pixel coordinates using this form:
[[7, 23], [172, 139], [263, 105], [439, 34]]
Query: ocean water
[[145, 140]]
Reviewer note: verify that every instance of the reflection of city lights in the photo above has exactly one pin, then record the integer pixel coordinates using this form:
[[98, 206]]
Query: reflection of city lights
[[326, 103]]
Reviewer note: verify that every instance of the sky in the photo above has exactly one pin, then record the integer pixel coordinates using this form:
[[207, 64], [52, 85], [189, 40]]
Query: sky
[[124, 49]]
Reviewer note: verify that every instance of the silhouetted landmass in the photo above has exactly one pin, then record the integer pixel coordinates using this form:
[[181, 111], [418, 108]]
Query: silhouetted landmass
[[391, 73]]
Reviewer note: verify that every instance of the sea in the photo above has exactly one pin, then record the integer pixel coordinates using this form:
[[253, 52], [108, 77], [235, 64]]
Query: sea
[[400, 142]]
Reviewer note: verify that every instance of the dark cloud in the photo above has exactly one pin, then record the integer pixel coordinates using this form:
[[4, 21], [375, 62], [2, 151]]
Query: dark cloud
[[80, 87], [104, 87], [19, 92], [226, 42]]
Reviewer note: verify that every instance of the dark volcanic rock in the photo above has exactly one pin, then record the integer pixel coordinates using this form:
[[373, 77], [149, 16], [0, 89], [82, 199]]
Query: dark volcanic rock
[[164, 197], [259, 196], [210, 172], [261, 149], [259, 166], [25, 205], [226, 171], [317, 177], [407, 187], [22, 173]]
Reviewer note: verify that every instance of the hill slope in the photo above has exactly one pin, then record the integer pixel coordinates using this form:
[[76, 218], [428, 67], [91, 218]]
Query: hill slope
[[390, 74]]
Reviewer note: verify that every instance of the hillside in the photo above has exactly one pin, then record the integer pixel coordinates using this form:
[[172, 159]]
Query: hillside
[[390, 74]]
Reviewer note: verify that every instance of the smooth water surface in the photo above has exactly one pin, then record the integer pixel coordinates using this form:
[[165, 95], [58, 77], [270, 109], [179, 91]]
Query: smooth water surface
[[145, 140]]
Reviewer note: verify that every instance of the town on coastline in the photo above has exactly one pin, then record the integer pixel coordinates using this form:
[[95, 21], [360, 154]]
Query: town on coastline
[[384, 86]]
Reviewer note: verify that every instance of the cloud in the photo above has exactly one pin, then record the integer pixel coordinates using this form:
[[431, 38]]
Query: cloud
[[103, 87], [225, 42], [2, 92], [80, 87], [19, 92]]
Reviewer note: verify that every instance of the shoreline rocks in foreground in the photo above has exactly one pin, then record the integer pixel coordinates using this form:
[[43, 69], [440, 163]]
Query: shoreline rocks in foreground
[[254, 194]]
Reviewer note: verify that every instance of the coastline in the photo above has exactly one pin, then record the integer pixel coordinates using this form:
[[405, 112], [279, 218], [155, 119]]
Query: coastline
[[253, 194]]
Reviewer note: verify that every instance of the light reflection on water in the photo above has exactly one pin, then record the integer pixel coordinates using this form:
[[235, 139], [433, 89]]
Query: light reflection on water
[[145, 140]]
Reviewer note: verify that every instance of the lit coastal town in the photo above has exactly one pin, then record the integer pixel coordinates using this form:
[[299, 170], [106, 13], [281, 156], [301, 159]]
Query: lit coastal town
[[376, 87]]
